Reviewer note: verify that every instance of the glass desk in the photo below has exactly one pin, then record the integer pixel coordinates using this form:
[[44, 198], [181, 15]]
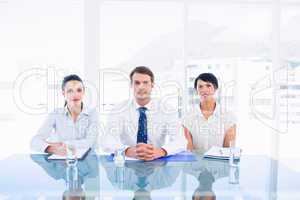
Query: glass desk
[[97, 177]]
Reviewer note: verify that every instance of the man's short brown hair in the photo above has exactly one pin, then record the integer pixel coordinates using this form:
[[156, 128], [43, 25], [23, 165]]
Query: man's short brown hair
[[142, 70]]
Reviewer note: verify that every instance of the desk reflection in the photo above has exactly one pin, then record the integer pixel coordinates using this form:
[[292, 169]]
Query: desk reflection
[[141, 177], [81, 177], [259, 178], [206, 171]]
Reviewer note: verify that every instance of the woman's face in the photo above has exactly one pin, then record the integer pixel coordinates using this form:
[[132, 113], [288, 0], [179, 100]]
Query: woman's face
[[73, 93], [205, 90]]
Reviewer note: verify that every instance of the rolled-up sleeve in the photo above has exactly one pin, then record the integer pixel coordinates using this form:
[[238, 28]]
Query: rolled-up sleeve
[[38, 142]]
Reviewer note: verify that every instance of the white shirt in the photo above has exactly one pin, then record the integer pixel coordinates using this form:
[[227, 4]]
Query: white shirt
[[208, 132], [60, 127], [163, 127]]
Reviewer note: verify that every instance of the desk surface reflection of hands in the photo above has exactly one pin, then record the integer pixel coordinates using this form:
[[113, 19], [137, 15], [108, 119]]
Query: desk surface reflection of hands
[[96, 177]]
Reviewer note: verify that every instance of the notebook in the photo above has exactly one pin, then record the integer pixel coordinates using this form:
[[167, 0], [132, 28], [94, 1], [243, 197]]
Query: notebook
[[80, 153], [222, 153]]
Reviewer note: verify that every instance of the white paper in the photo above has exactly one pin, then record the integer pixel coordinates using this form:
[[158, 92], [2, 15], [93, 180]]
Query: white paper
[[79, 154], [130, 158], [38, 153], [221, 153]]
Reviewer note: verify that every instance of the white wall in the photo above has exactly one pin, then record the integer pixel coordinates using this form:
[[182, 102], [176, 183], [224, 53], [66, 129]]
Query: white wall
[[56, 37]]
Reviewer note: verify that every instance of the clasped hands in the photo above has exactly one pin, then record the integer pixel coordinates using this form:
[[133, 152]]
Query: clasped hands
[[145, 152]]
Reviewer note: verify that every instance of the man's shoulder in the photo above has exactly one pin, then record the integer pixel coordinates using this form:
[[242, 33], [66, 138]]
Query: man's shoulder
[[122, 106], [164, 108]]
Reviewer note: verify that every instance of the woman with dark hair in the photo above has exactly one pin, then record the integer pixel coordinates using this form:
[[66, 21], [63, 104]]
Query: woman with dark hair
[[206, 125], [75, 125]]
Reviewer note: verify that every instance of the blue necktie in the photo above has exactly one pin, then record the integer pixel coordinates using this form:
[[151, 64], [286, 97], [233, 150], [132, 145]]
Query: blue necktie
[[142, 182], [142, 129]]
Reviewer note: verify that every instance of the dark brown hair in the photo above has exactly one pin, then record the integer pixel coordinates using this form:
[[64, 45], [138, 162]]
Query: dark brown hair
[[72, 77], [142, 70]]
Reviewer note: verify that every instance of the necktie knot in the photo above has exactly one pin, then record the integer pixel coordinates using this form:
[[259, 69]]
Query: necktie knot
[[142, 109]]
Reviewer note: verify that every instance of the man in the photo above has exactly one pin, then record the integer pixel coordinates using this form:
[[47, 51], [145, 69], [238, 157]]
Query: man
[[143, 128]]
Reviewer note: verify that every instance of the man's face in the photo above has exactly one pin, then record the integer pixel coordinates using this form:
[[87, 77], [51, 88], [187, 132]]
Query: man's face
[[142, 86]]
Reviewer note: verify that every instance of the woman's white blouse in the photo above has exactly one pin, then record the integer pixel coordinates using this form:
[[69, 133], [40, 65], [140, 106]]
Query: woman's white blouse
[[208, 132], [60, 127]]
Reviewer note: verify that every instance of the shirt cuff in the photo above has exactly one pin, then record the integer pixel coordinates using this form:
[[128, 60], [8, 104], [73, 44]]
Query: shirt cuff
[[124, 147], [44, 147]]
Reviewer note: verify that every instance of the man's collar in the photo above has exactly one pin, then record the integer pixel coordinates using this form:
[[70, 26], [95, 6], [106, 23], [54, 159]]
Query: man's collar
[[149, 105]]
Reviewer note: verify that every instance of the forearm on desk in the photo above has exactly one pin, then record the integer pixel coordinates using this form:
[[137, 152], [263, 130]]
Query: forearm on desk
[[38, 143]]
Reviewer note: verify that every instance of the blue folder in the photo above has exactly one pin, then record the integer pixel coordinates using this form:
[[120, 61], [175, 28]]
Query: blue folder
[[179, 157]]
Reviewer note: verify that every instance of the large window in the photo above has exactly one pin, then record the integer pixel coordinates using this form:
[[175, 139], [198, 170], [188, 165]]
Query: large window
[[41, 41], [237, 50], [250, 45], [141, 33], [181, 39]]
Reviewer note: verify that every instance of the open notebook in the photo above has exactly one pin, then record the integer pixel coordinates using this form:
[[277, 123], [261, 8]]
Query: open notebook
[[80, 153], [222, 153]]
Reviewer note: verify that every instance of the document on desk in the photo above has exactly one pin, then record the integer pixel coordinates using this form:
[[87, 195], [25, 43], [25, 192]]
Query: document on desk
[[184, 156], [222, 153], [181, 156], [80, 153]]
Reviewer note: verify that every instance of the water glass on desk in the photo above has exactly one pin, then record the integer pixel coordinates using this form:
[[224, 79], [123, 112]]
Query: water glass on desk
[[71, 157], [234, 171], [233, 154], [72, 176], [119, 160], [234, 174], [119, 157]]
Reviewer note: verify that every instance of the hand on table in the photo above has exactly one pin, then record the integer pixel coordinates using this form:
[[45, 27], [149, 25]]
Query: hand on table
[[58, 148], [145, 152]]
